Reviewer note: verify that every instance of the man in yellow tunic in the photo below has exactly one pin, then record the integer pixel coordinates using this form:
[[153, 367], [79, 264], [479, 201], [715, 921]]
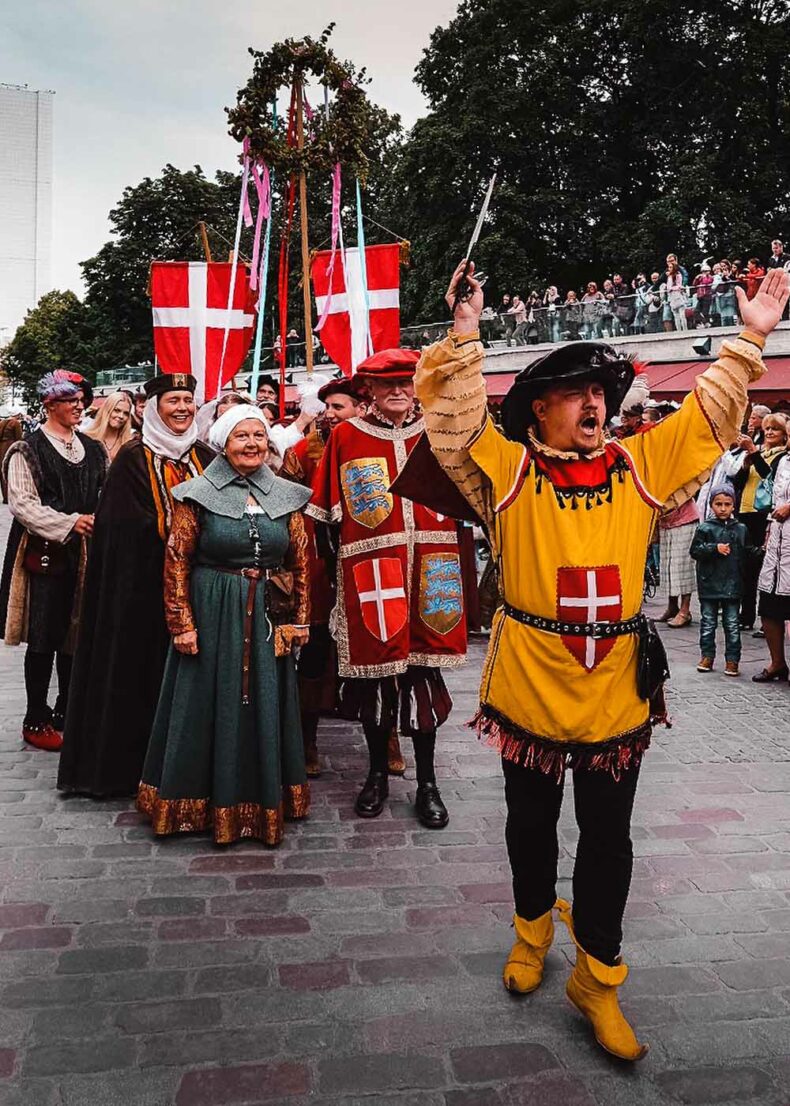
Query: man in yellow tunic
[[569, 515]]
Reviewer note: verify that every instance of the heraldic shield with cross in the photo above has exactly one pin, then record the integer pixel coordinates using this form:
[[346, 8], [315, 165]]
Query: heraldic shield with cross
[[382, 596], [592, 594]]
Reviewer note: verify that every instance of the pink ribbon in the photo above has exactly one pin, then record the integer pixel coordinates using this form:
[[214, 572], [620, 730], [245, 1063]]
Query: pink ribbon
[[336, 181], [245, 194], [260, 176]]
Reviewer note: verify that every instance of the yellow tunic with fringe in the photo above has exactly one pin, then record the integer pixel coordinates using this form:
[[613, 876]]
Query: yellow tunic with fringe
[[571, 536]]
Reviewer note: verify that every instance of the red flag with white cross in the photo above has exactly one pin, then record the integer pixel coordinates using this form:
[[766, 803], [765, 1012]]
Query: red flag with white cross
[[358, 321], [193, 330]]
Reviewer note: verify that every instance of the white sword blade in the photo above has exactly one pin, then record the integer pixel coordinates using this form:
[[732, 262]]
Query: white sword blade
[[481, 217]]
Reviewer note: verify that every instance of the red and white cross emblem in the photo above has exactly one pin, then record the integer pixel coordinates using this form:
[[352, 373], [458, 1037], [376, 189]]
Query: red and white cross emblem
[[382, 597], [589, 595]]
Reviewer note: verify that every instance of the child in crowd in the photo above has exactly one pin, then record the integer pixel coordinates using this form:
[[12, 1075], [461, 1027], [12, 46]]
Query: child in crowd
[[720, 547]]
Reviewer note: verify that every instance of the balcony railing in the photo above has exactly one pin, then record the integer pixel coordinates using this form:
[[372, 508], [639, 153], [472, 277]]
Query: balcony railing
[[598, 317]]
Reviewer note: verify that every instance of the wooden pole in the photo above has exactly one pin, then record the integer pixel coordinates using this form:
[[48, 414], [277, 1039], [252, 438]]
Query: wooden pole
[[204, 240], [308, 326]]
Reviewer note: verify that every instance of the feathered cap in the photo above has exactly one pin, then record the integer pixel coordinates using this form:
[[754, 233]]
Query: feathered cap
[[62, 384], [596, 361]]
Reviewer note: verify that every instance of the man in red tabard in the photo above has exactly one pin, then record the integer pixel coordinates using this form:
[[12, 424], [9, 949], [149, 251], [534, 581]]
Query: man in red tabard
[[400, 611], [344, 399]]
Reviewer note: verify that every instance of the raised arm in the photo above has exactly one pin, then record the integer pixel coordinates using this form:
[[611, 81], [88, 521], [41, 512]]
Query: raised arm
[[451, 389], [676, 456]]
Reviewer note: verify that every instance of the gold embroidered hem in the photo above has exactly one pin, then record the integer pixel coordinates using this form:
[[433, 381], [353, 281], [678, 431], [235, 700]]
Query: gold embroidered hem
[[230, 823]]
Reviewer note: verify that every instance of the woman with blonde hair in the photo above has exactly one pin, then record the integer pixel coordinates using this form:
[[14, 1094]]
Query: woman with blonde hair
[[113, 424]]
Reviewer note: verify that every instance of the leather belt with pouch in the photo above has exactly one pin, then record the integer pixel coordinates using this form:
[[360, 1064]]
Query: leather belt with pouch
[[652, 667]]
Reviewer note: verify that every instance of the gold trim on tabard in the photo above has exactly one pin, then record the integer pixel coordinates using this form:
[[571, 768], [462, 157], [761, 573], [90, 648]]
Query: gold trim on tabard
[[365, 482], [388, 433]]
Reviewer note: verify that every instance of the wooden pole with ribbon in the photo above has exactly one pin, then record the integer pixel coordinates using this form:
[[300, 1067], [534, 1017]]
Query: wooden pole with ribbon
[[308, 327]]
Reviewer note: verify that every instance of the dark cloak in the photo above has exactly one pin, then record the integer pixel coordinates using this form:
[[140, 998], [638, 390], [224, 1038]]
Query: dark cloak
[[123, 638]]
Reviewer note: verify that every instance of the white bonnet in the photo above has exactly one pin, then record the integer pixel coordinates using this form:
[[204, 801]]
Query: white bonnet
[[230, 419]]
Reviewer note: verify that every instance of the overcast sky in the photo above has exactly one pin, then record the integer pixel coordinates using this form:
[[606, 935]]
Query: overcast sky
[[144, 83]]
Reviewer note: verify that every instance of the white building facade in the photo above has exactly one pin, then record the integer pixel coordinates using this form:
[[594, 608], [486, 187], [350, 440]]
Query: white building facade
[[25, 203]]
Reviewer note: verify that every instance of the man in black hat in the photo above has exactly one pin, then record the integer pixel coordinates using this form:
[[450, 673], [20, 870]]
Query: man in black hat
[[123, 641], [572, 664]]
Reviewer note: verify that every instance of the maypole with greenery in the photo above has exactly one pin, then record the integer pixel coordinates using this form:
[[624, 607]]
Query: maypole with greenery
[[306, 141]]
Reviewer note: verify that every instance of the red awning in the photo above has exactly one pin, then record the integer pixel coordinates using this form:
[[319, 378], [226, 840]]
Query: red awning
[[676, 378]]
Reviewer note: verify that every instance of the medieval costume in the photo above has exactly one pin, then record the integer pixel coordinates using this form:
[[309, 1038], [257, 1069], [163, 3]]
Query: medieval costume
[[400, 615], [123, 642], [571, 661], [226, 747], [51, 483]]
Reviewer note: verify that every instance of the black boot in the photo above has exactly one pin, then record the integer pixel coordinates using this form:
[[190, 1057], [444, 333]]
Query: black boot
[[370, 800], [309, 734], [428, 804]]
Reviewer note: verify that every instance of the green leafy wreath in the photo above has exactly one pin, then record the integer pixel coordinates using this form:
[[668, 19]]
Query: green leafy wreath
[[341, 134]]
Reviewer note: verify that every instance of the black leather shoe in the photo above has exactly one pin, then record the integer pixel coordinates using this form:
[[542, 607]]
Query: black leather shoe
[[370, 800], [431, 811]]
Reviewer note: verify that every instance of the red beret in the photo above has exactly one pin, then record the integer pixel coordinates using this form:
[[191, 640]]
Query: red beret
[[389, 364], [344, 386]]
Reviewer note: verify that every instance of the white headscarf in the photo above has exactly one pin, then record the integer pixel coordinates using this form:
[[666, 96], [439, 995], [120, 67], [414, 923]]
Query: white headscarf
[[230, 419], [161, 439]]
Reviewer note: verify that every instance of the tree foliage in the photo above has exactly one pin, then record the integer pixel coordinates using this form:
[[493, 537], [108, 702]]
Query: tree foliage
[[155, 220], [621, 131], [59, 333]]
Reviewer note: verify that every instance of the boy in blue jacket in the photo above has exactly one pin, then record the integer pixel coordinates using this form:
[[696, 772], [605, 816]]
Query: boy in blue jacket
[[720, 548]]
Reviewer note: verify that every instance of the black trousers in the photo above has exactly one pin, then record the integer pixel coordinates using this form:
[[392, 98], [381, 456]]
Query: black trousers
[[604, 855], [38, 673], [756, 523]]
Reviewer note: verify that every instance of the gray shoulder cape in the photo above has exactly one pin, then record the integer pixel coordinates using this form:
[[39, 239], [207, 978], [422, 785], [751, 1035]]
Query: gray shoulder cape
[[223, 491]]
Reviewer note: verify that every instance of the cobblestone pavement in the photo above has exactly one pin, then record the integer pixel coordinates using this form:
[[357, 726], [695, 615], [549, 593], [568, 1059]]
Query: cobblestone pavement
[[360, 961]]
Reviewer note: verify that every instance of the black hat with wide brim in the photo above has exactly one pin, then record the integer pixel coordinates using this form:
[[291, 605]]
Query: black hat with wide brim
[[596, 361]]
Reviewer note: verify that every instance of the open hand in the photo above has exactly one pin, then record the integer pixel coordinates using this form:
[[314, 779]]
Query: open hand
[[762, 313], [467, 314], [723, 548], [186, 642]]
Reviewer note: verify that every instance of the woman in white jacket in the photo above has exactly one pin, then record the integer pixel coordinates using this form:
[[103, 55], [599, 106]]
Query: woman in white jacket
[[774, 582]]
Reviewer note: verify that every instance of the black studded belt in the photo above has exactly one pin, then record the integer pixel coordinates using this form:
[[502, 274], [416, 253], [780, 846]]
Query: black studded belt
[[597, 630]]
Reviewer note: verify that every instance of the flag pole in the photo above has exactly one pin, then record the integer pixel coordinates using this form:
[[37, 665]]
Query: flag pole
[[308, 328], [204, 240]]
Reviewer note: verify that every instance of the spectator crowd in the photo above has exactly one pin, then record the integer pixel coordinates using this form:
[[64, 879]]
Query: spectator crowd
[[651, 303]]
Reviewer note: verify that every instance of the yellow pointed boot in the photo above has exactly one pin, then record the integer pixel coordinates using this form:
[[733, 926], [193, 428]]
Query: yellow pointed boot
[[592, 988], [523, 971]]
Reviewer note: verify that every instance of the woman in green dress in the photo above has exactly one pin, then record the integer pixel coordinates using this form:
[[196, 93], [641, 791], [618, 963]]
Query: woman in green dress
[[226, 746]]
